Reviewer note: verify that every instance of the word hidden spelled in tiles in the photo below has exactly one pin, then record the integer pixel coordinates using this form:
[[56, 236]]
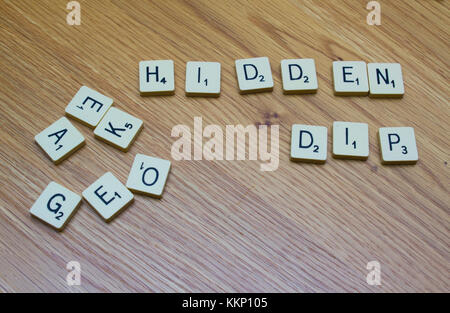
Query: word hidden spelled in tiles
[[398, 145], [385, 80], [56, 205], [156, 78], [350, 78], [88, 106], [350, 140], [309, 143], [60, 140], [299, 76], [203, 79], [118, 129], [148, 175], [254, 75], [108, 196]]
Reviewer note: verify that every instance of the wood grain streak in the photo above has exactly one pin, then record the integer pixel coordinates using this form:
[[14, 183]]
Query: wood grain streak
[[227, 226]]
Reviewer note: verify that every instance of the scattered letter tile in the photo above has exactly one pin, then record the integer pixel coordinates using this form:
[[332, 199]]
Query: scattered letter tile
[[398, 145], [56, 205], [118, 129], [309, 143], [350, 78], [156, 78], [59, 140], [350, 140], [254, 75], [203, 79], [108, 196], [385, 80], [148, 175], [299, 76], [88, 106]]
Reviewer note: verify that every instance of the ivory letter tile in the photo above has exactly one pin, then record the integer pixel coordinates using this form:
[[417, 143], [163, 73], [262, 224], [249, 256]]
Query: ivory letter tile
[[118, 129], [398, 145], [299, 76], [309, 143], [385, 80], [56, 205], [148, 175], [203, 79], [88, 106], [59, 140], [254, 75], [108, 196], [350, 78], [156, 78], [350, 140]]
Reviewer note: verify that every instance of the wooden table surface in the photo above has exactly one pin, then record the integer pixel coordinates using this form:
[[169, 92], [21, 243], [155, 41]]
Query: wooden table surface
[[226, 225]]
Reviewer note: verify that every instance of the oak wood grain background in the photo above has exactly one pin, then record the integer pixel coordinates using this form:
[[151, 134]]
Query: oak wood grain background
[[226, 226]]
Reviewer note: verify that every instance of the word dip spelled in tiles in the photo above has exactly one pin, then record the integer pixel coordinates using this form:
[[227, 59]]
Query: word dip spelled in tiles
[[148, 175], [156, 78], [56, 205], [203, 79], [350, 78], [59, 140], [398, 145], [385, 80], [299, 76], [118, 129], [254, 75], [309, 143], [108, 196], [88, 106], [350, 140]]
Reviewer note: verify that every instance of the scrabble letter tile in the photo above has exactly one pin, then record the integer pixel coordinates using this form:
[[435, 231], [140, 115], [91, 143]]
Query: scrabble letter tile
[[59, 140], [203, 79], [299, 76], [88, 106], [350, 78], [254, 75], [385, 80], [156, 78], [56, 205], [398, 145], [118, 128], [350, 140], [148, 175], [309, 143], [108, 196]]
